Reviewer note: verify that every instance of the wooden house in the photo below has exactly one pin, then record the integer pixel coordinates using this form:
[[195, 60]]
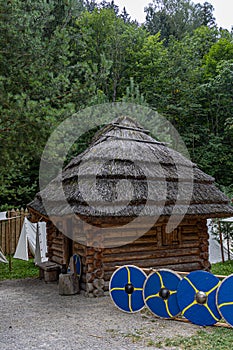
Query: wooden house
[[110, 226]]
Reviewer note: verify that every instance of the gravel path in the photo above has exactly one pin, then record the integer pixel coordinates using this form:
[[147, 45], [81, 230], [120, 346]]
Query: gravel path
[[34, 316]]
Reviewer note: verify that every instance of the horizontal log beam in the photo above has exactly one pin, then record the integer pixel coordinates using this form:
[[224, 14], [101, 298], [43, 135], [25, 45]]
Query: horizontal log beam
[[182, 261], [57, 260], [153, 254], [175, 267]]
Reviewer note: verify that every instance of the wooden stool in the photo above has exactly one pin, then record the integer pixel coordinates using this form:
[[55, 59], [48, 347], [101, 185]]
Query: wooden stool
[[49, 271]]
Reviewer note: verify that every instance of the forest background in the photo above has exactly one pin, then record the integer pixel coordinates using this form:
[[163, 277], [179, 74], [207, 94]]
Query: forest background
[[58, 57]]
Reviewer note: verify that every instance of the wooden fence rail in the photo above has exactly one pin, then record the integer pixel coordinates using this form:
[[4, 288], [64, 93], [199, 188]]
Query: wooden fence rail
[[10, 230]]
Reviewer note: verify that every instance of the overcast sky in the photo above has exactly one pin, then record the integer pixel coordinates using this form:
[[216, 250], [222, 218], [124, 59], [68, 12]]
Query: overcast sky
[[223, 10]]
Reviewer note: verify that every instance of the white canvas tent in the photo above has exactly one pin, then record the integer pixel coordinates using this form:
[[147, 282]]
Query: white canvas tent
[[215, 254], [34, 237], [3, 215], [230, 220], [3, 259]]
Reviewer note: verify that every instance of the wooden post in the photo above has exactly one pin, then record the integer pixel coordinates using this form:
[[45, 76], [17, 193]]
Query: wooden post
[[221, 241], [228, 242], [9, 239]]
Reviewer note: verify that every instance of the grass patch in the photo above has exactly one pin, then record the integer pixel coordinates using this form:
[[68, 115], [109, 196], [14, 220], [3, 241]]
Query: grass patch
[[20, 269], [222, 268], [216, 339]]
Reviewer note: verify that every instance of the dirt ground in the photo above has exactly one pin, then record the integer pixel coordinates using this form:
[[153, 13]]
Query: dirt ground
[[34, 316]]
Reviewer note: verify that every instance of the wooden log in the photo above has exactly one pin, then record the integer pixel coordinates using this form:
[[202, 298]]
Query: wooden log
[[189, 236], [89, 268], [155, 254], [99, 283], [147, 248], [193, 262], [189, 244], [176, 268], [57, 247], [128, 248], [90, 277], [98, 263], [141, 241], [108, 274], [99, 273], [205, 255], [68, 284], [90, 251], [88, 260], [79, 246], [89, 287], [57, 260], [206, 265], [98, 293], [107, 222], [98, 255], [83, 260], [58, 240], [58, 253], [106, 285]]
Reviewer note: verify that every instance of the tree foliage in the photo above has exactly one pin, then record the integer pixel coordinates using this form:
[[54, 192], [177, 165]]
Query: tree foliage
[[58, 57], [177, 17]]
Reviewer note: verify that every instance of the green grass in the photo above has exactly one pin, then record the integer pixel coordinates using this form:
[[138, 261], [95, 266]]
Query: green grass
[[216, 339], [224, 269], [209, 338], [20, 269]]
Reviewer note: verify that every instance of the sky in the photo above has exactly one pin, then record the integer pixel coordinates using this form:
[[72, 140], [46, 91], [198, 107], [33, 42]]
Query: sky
[[223, 10]]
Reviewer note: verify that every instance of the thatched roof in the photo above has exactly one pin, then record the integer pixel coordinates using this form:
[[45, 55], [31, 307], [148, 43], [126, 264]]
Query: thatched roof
[[124, 173]]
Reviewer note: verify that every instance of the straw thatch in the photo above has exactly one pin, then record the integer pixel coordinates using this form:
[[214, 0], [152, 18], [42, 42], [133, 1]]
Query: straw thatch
[[126, 173]]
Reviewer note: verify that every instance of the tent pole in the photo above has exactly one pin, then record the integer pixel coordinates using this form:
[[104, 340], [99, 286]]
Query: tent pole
[[221, 241]]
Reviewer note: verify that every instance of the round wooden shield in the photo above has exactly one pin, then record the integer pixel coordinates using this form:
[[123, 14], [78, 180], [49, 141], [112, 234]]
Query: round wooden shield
[[225, 299], [78, 264], [75, 262], [160, 293], [126, 288], [196, 295]]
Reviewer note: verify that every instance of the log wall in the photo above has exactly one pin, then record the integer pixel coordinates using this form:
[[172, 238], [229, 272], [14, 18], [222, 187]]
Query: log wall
[[57, 244], [185, 249]]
